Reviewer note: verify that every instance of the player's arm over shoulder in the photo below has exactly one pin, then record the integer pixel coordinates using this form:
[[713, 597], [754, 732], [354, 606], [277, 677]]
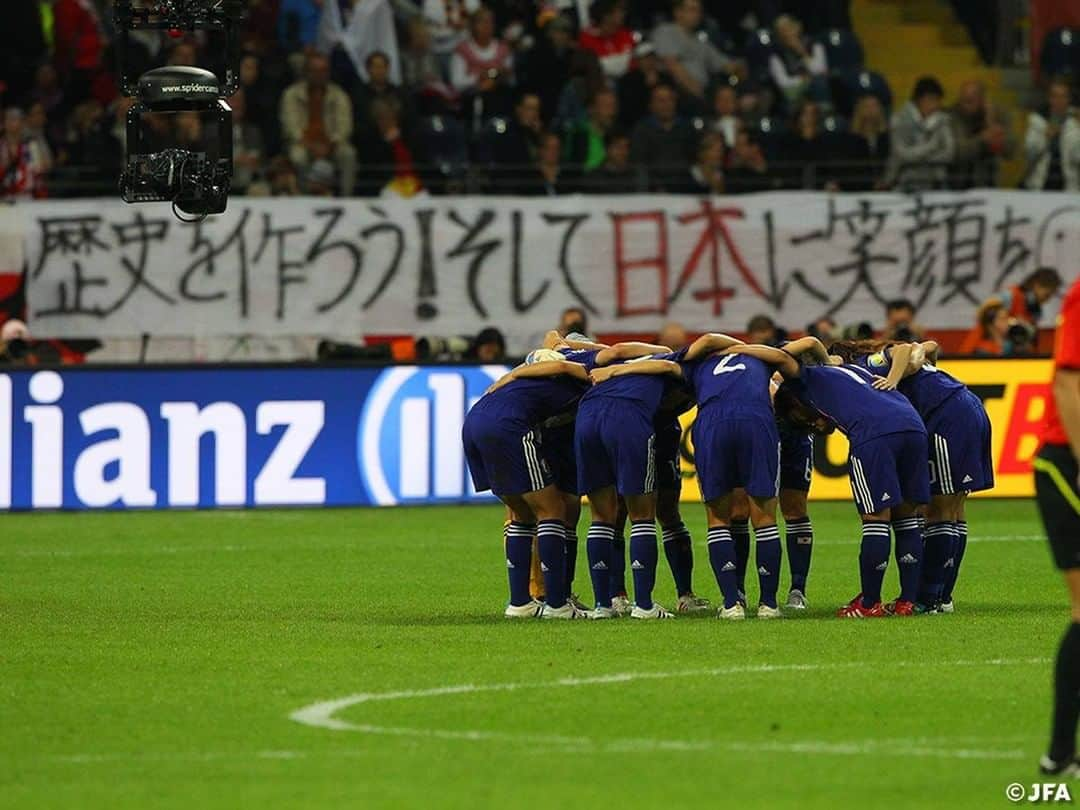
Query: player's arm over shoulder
[[783, 362], [628, 350], [708, 344]]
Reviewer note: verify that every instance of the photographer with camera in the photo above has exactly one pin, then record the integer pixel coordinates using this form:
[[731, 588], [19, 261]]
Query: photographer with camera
[[900, 322]]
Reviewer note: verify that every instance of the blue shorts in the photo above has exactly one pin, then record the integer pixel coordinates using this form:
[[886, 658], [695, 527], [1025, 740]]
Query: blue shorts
[[736, 450], [504, 456], [558, 445], [668, 443], [961, 458], [614, 445], [890, 470], [796, 461]]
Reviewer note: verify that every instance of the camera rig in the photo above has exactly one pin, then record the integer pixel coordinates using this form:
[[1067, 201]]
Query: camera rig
[[196, 182]]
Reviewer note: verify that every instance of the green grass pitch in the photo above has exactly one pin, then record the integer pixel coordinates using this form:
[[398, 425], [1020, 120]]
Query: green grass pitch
[[155, 659]]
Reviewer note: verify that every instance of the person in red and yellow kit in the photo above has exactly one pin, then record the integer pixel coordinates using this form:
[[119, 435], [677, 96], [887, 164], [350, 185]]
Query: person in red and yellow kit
[[1057, 489]]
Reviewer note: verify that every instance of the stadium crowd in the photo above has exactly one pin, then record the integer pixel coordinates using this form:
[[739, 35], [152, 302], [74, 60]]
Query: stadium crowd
[[534, 98]]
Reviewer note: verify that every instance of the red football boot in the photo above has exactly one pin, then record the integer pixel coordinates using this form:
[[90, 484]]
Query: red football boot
[[900, 608], [855, 610]]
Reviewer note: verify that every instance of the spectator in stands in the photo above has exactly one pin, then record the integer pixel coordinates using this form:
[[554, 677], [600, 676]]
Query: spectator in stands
[[188, 130], [421, 74], [22, 166], [989, 337], [635, 88], [573, 320], [864, 148], [547, 178], [982, 136], [616, 175], [609, 38], [37, 132], [661, 143], [798, 66], [283, 179], [824, 329], [183, 53], [319, 179], [24, 46], [585, 141], [248, 150], [1026, 299], [920, 140], [706, 175], [804, 149], [763, 329], [515, 150], [77, 45], [1052, 142], [692, 60], [482, 68], [448, 20], [747, 169], [50, 95], [261, 99], [378, 87], [391, 157], [673, 335], [546, 68], [317, 122], [489, 346], [725, 113], [586, 80], [900, 321], [298, 23]]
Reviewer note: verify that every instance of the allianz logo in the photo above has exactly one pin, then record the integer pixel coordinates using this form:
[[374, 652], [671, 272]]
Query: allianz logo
[[409, 438], [114, 451]]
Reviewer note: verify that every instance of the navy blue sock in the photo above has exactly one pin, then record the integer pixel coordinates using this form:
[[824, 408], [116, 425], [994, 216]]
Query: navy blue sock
[[767, 555], [518, 539], [680, 556], [598, 550], [800, 544], [740, 533], [873, 560], [953, 571], [909, 554], [938, 541], [551, 547], [1066, 696], [643, 557], [571, 556], [618, 565], [722, 560]]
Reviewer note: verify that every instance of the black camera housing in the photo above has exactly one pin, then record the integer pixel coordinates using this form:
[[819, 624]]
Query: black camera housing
[[194, 182]]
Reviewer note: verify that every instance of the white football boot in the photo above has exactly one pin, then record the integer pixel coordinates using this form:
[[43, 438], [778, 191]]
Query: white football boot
[[567, 611], [621, 605], [796, 600], [655, 612], [766, 612], [529, 610], [947, 607], [603, 613], [734, 613]]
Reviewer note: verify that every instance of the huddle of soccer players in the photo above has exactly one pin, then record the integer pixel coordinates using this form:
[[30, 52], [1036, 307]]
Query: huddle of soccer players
[[584, 418]]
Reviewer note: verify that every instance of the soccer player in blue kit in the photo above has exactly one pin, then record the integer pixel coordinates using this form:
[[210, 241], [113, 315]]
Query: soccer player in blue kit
[[614, 442], [505, 453], [961, 460], [887, 464], [736, 447]]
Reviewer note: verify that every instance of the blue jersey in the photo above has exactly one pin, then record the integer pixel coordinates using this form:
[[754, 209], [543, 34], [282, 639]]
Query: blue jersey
[[926, 389], [735, 382], [529, 401], [844, 394], [647, 390], [584, 357]]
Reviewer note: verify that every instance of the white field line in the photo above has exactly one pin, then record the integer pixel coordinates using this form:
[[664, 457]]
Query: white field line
[[91, 552], [323, 715]]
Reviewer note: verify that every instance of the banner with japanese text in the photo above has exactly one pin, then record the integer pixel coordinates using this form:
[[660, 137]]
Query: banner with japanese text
[[445, 265]]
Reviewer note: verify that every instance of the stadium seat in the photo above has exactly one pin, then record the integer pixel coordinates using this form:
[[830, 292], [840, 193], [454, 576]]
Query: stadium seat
[[842, 49], [1060, 53], [485, 141], [445, 143], [759, 47], [853, 84], [768, 133], [835, 124]]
